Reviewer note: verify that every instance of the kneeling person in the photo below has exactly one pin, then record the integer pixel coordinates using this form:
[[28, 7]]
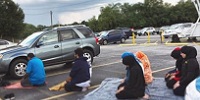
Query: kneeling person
[[134, 85], [35, 73], [79, 77]]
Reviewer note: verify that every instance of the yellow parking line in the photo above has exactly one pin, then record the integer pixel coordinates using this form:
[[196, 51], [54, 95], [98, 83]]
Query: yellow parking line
[[175, 44], [149, 44], [127, 44], [95, 86], [68, 93], [196, 43]]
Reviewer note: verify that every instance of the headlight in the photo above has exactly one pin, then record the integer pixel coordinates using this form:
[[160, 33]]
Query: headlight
[[1, 56]]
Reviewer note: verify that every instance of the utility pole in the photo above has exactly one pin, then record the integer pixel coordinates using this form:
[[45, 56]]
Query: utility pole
[[51, 19]]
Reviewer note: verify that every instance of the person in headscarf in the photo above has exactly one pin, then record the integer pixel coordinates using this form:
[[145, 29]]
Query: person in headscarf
[[133, 86], [189, 71], [173, 76], [146, 65]]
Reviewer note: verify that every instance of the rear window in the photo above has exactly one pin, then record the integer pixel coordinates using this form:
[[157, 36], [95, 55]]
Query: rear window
[[86, 32]]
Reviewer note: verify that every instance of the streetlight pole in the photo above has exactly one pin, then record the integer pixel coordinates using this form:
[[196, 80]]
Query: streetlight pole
[[51, 19]]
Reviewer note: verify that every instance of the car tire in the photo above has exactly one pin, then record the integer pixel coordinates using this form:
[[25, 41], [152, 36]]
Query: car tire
[[18, 68], [105, 42], [89, 55], [123, 40], [127, 37]]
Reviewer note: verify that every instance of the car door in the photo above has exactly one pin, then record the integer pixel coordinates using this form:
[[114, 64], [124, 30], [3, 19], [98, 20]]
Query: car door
[[118, 35], [49, 48], [111, 36], [69, 42]]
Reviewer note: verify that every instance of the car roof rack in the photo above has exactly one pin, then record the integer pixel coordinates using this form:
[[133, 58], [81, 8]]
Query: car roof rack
[[70, 26]]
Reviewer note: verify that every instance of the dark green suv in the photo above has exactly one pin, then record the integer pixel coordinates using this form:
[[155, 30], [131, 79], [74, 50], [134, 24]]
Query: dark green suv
[[54, 46]]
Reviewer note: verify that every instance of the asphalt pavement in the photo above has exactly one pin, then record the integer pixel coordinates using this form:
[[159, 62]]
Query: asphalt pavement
[[106, 65]]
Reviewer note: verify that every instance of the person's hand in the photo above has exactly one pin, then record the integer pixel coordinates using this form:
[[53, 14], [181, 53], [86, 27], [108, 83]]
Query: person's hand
[[123, 80], [68, 79], [177, 84], [173, 74], [120, 89], [171, 77], [167, 75]]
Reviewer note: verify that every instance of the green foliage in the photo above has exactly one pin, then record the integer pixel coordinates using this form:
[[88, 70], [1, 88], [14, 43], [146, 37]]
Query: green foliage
[[11, 19], [28, 29], [154, 13]]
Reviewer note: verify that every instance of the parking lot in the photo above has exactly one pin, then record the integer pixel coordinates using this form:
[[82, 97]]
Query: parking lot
[[106, 65]]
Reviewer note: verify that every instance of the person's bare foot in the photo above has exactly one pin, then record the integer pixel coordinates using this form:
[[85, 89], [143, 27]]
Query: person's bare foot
[[146, 96]]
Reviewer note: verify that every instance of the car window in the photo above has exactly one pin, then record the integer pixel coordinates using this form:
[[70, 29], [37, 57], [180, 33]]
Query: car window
[[187, 25], [3, 42], [49, 38], [118, 32], [86, 32], [68, 34], [112, 33]]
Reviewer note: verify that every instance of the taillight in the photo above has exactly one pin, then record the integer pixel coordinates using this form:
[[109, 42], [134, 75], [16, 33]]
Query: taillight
[[97, 40]]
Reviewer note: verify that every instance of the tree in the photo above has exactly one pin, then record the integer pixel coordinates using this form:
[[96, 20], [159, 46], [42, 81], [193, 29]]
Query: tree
[[93, 24], [110, 17], [11, 19], [28, 29]]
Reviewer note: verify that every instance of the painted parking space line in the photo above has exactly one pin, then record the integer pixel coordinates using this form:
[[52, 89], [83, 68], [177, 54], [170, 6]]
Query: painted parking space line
[[163, 69], [119, 61], [68, 93], [95, 86], [141, 44], [175, 44]]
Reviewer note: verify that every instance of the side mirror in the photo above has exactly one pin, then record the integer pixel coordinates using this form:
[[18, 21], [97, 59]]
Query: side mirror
[[40, 43]]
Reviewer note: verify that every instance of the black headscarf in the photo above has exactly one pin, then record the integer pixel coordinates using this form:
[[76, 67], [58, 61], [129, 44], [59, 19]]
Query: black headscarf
[[130, 61], [176, 53], [190, 52]]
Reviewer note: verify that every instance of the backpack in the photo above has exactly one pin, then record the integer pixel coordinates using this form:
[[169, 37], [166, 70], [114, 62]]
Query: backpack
[[147, 67]]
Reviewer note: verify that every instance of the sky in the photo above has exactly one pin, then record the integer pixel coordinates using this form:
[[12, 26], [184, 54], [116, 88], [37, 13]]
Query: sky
[[37, 12]]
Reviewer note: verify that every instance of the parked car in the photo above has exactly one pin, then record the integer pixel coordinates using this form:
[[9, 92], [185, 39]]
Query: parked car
[[146, 30], [127, 31], [6, 43], [112, 36], [55, 46], [180, 29], [163, 29]]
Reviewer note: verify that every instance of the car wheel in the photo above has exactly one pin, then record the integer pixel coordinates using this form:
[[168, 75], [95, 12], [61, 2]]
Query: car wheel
[[18, 67], [89, 55], [123, 40], [105, 42]]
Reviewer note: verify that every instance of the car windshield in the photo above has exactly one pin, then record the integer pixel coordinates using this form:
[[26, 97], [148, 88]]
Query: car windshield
[[104, 33], [29, 40], [175, 26]]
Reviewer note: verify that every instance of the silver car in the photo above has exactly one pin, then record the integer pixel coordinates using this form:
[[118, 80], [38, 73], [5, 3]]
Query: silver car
[[6, 43], [54, 46]]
